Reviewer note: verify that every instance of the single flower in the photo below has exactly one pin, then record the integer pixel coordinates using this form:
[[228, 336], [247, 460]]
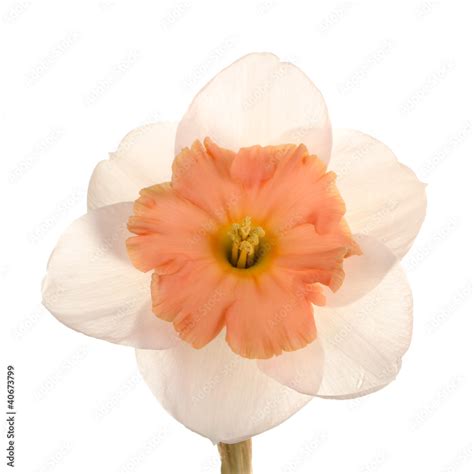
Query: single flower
[[262, 271], [242, 241]]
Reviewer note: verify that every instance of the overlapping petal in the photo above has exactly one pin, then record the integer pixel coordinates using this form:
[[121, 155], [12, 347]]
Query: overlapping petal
[[92, 287], [362, 273], [301, 370], [384, 198], [258, 99], [217, 393], [364, 342], [361, 343], [142, 159]]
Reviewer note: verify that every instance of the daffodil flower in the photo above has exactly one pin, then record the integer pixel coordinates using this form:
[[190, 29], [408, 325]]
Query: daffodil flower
[[257, 270]]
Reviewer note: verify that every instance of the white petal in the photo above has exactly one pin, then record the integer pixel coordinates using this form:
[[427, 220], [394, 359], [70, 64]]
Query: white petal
[[92, 287], [364, 342], [143, 158], [258, 100], [301, 370], [383, 198], [362, 272], [217, 393]]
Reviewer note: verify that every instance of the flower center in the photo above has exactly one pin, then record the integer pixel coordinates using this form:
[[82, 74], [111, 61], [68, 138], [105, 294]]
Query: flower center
[[245, 241]]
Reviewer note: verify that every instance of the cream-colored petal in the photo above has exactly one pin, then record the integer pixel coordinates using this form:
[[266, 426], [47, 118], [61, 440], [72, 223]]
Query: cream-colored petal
[[364, 342], [384, 199], [301, 370], [362, 273], [359, 347], [217, 393], [143, 158], [258, 100], [92, 287]]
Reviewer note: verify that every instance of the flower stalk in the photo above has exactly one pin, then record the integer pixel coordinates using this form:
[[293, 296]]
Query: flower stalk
[[236, 458]]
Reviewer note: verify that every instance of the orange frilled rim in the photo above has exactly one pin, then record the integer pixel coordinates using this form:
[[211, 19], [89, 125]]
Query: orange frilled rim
[[182, 236]]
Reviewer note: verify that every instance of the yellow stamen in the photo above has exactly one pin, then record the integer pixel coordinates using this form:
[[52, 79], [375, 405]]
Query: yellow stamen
[[245, 240], [245, 227], [235, 252], [245, 249]]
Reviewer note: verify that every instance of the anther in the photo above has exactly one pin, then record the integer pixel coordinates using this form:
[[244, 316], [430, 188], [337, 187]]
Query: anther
[[245, 240]]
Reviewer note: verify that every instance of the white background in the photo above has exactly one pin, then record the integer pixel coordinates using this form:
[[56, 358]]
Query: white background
[[77, 76]]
